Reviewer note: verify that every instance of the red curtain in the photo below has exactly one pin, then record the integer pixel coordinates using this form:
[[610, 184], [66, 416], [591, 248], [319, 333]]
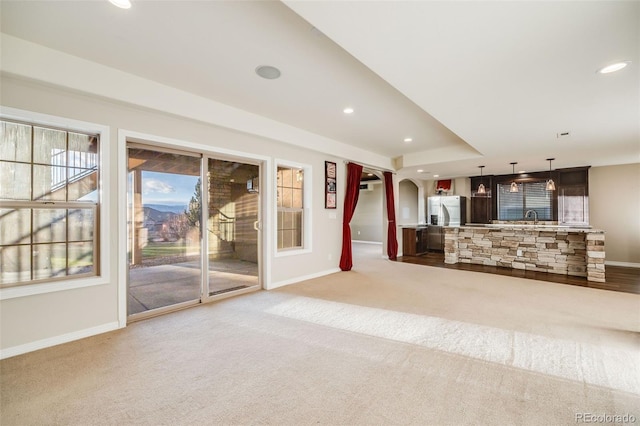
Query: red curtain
[[392, 241], [354, 172]]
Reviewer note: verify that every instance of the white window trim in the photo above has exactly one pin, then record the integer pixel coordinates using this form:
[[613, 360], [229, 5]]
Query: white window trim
[[307, 193], [105, 201]]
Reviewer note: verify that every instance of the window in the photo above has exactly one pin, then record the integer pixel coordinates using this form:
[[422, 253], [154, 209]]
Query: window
[[290, 186], [531, 196], [49, 203]]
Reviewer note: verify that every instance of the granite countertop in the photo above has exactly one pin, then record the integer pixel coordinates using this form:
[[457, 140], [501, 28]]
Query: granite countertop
[[532, 227]]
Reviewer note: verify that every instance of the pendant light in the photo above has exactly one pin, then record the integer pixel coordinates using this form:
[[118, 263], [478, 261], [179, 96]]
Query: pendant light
[[551, 186], [481, 188], [514, 185]]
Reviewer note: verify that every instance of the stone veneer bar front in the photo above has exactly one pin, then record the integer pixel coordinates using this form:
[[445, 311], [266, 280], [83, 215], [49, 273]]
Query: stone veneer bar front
[[558, 250]]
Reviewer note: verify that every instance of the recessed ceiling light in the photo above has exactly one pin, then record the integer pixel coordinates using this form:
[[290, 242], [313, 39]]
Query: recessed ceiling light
[[613, 67], [268, 72], [436, 175], [420, 171], [122, 4], [522, 171], [348, 110], [369, 174], [407, 140]]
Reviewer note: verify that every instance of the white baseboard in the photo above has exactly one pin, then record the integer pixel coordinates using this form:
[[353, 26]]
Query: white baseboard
[[303, 278], [57, 340], [367, 242], [625, 264]]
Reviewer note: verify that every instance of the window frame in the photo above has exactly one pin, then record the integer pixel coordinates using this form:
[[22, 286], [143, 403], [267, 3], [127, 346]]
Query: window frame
[[306, 209], [102, 268], [522, 185]]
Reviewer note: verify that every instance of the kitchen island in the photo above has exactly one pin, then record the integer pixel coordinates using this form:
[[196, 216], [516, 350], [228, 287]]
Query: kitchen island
[[553, 249]]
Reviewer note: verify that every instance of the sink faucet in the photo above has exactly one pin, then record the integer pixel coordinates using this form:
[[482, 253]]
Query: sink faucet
[[535, 215]]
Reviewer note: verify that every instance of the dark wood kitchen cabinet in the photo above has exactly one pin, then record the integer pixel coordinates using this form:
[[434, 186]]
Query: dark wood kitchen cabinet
[[414, 241], [481, 204], [481, 209], [417, 241]]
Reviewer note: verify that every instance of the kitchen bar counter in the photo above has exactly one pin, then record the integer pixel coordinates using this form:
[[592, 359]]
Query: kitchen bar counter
[[555, 249]]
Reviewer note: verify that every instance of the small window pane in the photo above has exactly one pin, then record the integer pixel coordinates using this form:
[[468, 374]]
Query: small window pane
[[287, 238], [15, 181], [288, 220], [49, 225], [297, 221], [280, 239], [297, 199], [286, 177], [298, 177], [83, 144], [15, 264], [49, 261], [15, 226], [280, 219], [49, 146], [287, 197], [83, 185], [49, 183], [81, 225], [80, 258], [15, 142]]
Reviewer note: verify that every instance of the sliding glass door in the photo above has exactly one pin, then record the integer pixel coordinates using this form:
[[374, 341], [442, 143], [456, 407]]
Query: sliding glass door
[[164, 229], [181, 205], [232, 226]]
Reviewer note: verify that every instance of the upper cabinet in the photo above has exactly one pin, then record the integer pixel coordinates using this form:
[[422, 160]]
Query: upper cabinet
[[481, 204], [573, 196]]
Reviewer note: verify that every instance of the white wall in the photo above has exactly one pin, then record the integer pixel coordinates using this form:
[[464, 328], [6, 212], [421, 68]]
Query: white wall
[[614, 206], [407, 203], [367, 222], [45, 319]]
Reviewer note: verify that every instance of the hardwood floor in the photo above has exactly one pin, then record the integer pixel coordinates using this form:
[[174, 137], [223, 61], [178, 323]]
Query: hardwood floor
[[618, 278]]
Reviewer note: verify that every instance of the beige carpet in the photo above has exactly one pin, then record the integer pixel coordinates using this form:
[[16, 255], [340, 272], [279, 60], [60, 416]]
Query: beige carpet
[[387, 343]]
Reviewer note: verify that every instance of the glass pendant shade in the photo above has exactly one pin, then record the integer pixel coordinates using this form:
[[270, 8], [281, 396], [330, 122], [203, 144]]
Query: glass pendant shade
[[514, 185], [551, 185], [481, 188]]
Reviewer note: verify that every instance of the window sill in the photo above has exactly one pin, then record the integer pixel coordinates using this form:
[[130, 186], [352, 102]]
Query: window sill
[[51, 287], [293, 252]]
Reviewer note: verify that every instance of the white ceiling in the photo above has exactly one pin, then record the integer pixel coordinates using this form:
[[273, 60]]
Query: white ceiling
[[471, 82]]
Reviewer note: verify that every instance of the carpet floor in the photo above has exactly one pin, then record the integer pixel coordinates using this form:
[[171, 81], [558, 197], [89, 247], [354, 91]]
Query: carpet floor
[[387, 343]]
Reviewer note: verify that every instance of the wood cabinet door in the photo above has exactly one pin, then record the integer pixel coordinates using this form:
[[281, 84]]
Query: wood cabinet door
[[409, 242], [480, 209]]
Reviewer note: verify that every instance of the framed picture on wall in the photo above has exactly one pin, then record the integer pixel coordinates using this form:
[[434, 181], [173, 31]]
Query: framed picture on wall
[[330, 185]]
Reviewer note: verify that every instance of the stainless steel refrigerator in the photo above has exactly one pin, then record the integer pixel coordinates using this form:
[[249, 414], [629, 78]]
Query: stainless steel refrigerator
[[447, 210]]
